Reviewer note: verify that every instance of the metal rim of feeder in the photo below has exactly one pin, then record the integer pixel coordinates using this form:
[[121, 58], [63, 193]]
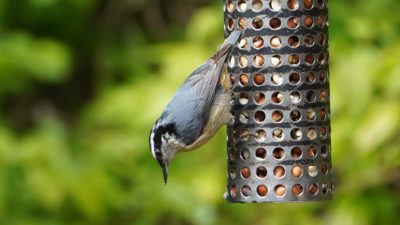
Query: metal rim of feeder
[[279, 144]]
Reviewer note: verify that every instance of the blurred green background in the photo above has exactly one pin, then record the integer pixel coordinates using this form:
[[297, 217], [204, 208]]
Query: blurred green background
[[82, 81]]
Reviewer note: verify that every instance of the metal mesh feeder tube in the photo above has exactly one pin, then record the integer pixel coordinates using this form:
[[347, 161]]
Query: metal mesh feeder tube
[[279, 143]]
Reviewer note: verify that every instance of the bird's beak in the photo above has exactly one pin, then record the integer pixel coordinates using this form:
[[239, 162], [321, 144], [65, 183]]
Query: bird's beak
[[165, 172]]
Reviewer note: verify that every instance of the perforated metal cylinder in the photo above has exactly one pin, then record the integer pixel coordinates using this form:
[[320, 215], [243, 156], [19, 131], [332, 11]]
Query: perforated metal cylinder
[[279, 144]]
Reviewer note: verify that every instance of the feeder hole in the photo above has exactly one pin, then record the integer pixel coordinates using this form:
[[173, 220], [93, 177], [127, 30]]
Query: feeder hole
[[296, 152], [295, 97], [245, 154], [296, 134], [278, 153], [277, 97], [275, 5], [230, 6], [232, 174], [261, 153], [324, 152], [311, 115], [259, 79], [261, 135], [297, 171], [293, 22], [310, 78], [279, 171], [261, 172], [242, 7], [242, 23], [258, 42], [244, 98], [277, 116], [310, 96], [324, 188], [275, 23], [308, 4], [294, 59], [246, 191], [322, 77], [231, 24], [259, 116], [297, 189], [258, 61], [243, 61], [245, 172], [309, 59], [323, 132], [311, 152], [312, 134], [309, 40], [322, 114], [313, 189], [276, 60], [233, 191], [244, 117], [308, 21], [321, 39], [321, 59], [293, 41], [258, 23], [293, 4], [244, 79], [324, 169], [323, 95], [312, 171], [277, 79], [295, 115], [259, 98], [294, 78], [278, 135], [244, 135], [257, 5], [243, 43], [262, 190], [280, 190], [275, 42], [320, 21]]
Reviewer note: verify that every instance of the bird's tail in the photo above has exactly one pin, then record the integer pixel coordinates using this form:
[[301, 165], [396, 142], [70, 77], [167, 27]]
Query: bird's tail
[[229, 42]]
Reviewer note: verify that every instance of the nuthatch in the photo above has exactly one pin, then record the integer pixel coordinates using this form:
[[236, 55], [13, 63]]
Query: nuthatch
[[198, 109]]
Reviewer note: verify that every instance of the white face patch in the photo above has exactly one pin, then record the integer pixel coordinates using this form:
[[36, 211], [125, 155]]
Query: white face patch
[[152, 144]]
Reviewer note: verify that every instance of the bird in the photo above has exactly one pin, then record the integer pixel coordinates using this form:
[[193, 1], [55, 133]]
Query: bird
[[196, 112]]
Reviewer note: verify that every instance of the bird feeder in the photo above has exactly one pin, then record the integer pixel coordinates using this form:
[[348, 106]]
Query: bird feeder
[[279, 143]]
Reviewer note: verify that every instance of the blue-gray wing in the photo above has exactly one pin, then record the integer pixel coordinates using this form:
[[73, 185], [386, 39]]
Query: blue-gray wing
[[190, 106]]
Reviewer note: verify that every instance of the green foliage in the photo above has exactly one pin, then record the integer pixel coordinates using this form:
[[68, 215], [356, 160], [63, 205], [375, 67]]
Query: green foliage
[[81, 83]]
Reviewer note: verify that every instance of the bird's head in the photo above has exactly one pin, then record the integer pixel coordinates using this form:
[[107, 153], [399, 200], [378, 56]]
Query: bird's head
[[163, 145]]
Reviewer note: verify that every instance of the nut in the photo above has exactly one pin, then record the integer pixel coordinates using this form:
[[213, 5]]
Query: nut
[[258, 42], [245, 171], [258, 61], [262, 190], [279, 171], [297, 171], [297, 189], [293, 22], [243, 43], [259, 79], [293, 4], [275, 42], [242, 23], [244, 79], [280, 190], [308, 4], [308, 21]]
